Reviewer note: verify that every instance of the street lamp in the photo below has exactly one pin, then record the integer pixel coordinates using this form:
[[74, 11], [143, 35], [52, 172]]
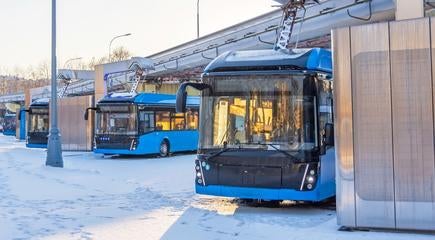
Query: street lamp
[[197, 19], [70, 60], [110, 44], [54, 148]]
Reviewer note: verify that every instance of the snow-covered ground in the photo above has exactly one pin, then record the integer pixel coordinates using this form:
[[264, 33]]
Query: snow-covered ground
[[140, 198]]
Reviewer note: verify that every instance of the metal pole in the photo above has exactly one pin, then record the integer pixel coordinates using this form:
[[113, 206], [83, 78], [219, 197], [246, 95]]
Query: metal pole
[[197, 19], [111, 41], [54, 149]]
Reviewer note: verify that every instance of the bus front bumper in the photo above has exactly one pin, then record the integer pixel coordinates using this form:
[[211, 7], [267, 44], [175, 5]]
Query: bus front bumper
[[322, 192]]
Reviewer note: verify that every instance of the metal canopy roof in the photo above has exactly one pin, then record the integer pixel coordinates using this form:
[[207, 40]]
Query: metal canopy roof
[[260, 32], [253, 34]]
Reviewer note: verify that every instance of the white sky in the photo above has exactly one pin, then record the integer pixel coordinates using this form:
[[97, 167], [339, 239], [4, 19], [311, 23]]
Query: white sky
[[85, 27]]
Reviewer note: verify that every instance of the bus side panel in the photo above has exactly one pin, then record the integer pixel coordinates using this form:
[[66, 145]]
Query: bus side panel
[[8, 132], [327, 174], [178, 141], [150, 143]]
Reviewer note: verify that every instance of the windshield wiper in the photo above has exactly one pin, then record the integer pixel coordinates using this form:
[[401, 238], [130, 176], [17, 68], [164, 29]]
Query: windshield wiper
[[276, 148], [218, 153], [281, 151]]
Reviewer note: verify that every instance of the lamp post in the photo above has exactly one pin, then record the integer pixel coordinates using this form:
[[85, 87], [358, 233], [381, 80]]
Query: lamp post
[[54, 148], [70, 60], [197, 19], [111, 41]]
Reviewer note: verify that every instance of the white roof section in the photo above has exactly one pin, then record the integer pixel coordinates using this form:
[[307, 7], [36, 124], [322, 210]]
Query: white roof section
[[71, 74], [261, 32], [144, 63], [265, 55]]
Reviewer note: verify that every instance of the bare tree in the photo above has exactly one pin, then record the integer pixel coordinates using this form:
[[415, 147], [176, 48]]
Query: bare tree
[[44, 71], [120, 54]]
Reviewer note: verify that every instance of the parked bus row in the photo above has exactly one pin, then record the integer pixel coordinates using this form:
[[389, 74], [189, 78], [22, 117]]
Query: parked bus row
[[265, 125]]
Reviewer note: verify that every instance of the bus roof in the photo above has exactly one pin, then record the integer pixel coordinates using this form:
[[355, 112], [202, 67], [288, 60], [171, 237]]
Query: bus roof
[[40, 102], [147, 98], [309, 59]]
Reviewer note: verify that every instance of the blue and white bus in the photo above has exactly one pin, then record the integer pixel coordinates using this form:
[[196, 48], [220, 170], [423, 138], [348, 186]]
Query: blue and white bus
[[143, 124], [9, 124], [266, 126], [38, 124]]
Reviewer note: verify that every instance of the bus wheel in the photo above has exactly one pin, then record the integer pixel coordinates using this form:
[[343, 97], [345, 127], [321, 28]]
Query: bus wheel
[[164, 148]]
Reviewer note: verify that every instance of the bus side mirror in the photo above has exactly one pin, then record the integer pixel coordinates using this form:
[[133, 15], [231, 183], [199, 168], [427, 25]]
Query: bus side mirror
[[19, 113], [181, 102], [87, 112], [182, 94], [329, 134]]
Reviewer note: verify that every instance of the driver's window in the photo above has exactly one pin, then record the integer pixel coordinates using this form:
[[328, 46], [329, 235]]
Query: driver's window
[[325, 106], [146, 121]]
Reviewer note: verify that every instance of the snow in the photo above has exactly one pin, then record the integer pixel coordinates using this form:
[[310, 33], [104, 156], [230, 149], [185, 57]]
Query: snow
[[141, 198]]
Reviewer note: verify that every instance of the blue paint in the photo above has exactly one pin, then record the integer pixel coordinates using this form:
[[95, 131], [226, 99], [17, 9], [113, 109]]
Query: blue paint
[[32, 145], [320, 193], [179, 141], [320, 60], [22, 123], [9, 132]]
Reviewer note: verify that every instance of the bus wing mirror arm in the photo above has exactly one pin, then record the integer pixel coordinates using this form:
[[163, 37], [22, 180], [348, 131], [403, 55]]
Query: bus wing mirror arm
[[329, 134], [87, 112], [19, 113], [182, 94]]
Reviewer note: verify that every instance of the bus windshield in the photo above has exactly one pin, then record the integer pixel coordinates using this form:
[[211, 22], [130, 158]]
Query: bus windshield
[[117, 120], [259, 111], [9, 122], [39, 120]]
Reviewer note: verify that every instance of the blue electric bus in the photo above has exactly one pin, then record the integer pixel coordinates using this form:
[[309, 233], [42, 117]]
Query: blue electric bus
[[38, 124], [266, 126], [144, 123], [9, 124]]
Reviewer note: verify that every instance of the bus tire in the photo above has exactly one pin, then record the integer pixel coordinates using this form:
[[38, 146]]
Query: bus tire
[[164, 148]]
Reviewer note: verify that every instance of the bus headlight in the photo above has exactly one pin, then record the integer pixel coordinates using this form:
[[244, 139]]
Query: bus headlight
[[200, 181], [310, 179], [312, 172], [198, 174], [197, 168], [310, 186]]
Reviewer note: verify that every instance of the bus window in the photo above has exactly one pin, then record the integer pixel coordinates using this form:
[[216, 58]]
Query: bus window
[[163, 121], [191, 120], [177, 121], [146, 122]]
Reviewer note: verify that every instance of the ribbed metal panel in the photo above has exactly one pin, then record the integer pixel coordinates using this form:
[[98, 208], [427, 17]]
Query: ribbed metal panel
[[76, 133], [372, 126], [413, 124], [343, 128]]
